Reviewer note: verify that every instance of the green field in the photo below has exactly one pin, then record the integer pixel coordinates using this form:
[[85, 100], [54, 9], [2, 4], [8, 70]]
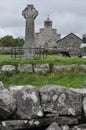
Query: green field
[[51, 59], [73, 78]]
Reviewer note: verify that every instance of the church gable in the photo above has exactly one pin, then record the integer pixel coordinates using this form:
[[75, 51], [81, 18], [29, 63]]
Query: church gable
[[47, 35], [69, 37], [70, 42]]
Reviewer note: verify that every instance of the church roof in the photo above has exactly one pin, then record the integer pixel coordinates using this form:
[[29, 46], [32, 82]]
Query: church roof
[[68, 36]]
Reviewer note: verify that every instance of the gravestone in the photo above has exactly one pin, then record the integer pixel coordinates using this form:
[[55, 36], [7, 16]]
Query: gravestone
[[29, 13]]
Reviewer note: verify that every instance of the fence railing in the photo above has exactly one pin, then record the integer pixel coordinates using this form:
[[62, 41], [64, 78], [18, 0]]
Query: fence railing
[[39, 52], [20, 52]]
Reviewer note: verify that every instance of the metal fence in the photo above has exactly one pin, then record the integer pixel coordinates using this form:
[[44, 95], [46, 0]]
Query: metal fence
[[40, 52], [20, 52]]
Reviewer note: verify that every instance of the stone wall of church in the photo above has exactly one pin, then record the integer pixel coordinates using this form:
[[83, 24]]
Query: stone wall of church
[[46, 35], [70, 43]]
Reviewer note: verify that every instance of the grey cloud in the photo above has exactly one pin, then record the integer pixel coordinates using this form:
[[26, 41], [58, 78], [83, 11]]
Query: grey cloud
[[67, 15]]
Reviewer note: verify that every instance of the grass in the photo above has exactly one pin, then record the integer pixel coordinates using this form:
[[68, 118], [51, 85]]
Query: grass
[[51, 59], [72, 79]]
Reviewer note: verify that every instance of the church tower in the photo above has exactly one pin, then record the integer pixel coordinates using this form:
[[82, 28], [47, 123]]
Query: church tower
[[48, 23], [47, 35]]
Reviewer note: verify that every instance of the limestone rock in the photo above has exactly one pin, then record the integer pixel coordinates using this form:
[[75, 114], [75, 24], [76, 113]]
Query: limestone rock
[[79, 127], [14, 125], [60, 101], [83, 93], [53, 126], [65, 127], [57, 68], [7, 104], [41, 68], [82, 126], [28, 103], [39, 123], [45, 121], [14, 90], [70, 103], [84, 104], [1, 86], [25, 68], [59, 120], [83, 67], [84, 101], [9, 68]]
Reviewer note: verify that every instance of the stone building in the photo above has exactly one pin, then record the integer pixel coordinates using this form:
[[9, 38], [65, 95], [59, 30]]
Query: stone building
[[70, 43], [47, 35]]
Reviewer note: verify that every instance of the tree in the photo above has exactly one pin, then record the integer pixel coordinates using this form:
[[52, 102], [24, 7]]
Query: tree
[[9, 41], [19, 42]]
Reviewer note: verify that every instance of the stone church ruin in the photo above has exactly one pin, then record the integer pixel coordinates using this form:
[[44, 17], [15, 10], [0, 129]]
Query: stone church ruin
[[70, 43], [47, 36]]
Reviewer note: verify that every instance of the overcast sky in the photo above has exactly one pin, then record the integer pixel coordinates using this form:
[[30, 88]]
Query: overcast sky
[[67, 16]]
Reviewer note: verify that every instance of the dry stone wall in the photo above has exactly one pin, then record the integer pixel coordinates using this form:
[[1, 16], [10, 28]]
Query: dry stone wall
[[5, 50], [52, 107], [42, 68]]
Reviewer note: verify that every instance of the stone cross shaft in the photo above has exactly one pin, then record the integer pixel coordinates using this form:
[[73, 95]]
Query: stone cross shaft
[[29, 13]]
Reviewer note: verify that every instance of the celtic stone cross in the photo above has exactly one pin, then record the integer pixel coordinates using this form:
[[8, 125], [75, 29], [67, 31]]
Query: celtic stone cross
[[29, 13]]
